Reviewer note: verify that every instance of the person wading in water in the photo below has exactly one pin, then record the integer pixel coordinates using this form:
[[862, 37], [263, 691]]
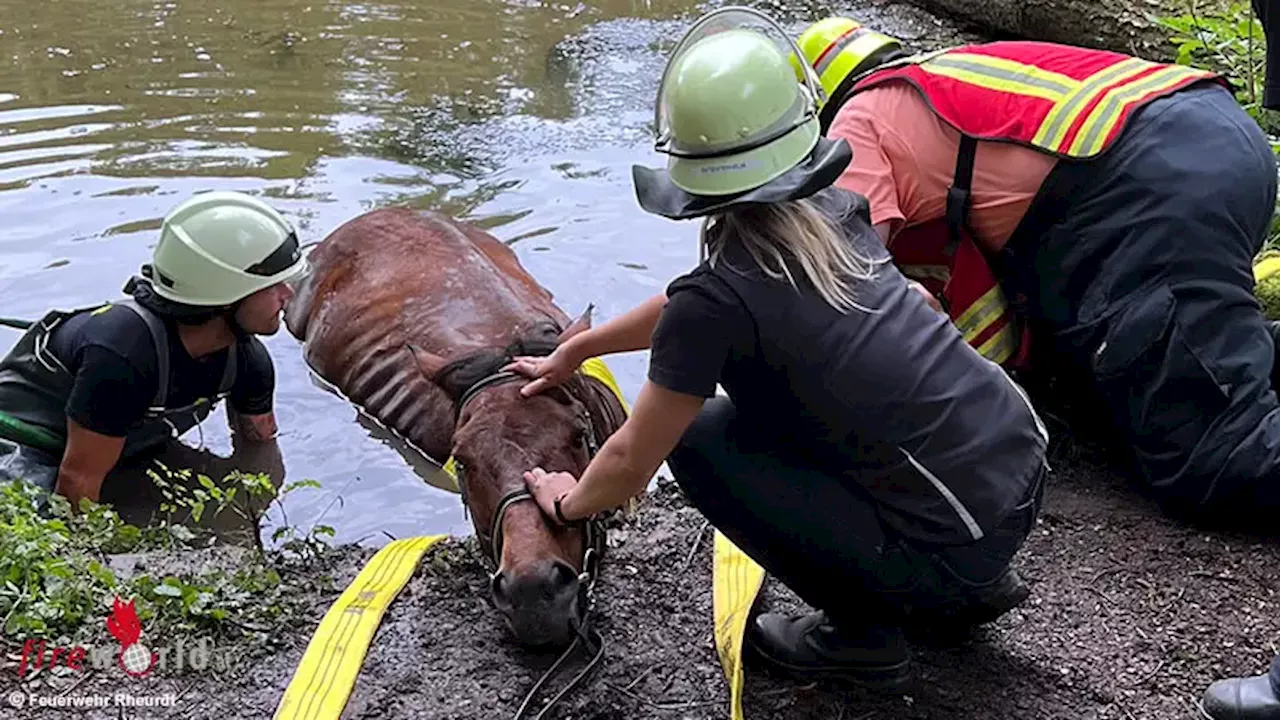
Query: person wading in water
[[84, 389]]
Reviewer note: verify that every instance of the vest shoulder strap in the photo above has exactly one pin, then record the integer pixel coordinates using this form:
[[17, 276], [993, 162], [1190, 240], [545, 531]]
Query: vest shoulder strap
[[229, 371], [958, 195], [160, 338]]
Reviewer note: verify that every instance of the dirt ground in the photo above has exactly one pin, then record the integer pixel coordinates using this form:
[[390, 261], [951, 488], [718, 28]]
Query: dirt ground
[[1130, 617]]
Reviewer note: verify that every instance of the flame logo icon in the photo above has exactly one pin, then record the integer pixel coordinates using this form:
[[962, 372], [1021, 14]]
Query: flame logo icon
[[122, 623]]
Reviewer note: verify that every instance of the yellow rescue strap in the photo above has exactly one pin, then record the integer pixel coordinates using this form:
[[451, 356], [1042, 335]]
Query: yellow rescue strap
[[736, 580], [324, 679], [1266, 275]]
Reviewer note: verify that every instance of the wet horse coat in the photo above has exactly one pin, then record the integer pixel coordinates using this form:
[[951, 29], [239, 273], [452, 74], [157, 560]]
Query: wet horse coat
[[411, 315]]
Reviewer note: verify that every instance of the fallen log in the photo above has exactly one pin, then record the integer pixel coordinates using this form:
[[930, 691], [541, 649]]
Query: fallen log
[[1127, 26]]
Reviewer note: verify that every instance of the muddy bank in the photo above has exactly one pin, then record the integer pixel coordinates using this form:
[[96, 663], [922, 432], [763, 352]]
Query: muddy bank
[[1130, 618]]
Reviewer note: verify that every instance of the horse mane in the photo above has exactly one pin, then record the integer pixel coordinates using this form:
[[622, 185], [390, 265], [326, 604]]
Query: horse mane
[[540, 340], [458, 376]]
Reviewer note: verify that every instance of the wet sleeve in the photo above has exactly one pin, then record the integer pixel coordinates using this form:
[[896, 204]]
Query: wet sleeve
[[1269, 16], [255, 385], [109, 393], [870, 173], [695, 333]]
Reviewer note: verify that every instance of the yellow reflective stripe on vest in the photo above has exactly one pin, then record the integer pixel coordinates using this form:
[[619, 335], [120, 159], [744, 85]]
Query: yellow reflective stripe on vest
[[984, 311], [1002, 75], [1000, 347], [1070, 96], [1065, 113], [1098, 125], [979, 316]]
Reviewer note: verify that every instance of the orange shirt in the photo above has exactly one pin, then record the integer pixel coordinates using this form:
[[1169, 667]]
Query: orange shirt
[[904, 159]]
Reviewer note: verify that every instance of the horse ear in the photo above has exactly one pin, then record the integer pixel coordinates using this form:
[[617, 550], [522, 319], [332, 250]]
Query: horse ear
[[429, 363], [582, 323]]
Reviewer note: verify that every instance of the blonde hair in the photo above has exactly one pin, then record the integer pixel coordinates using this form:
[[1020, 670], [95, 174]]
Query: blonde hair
[[769, 232]]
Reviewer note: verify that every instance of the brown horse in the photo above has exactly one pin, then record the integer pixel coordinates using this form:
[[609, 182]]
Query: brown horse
[[412, 315]]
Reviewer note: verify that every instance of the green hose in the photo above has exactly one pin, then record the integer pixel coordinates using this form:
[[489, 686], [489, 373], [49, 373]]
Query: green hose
[[23, 433]]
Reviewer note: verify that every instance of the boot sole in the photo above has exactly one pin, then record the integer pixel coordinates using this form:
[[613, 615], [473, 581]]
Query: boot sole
[[894, 678]]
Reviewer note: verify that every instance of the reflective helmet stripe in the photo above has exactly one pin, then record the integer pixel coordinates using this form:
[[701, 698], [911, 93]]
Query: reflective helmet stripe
[[824, 58]]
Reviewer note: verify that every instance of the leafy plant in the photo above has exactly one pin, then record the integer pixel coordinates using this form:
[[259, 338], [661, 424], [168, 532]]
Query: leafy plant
[[1229, 39], [57, 582]]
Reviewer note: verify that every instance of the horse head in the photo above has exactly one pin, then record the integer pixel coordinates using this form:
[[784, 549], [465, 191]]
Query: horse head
[[541, 573]]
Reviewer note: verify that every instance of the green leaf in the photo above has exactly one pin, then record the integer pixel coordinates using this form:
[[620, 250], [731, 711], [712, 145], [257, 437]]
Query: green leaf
[[168, 590], [301, 484]]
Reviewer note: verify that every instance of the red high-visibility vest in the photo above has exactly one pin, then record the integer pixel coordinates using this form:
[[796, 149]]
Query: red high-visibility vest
[[1066, 101]]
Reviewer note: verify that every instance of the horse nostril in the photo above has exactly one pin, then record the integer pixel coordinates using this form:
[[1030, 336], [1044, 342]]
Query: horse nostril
[[563, 576], [498, 587]]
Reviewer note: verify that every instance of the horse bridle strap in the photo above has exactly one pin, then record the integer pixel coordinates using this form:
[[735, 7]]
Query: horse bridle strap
[[492, 541], [594, 536], [499, 378]]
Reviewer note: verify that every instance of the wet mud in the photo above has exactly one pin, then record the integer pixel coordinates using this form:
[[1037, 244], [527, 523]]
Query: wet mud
[[1131, 615]]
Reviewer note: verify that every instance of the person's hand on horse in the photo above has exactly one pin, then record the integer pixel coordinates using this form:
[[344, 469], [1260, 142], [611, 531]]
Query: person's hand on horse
[[547, 372], [547, 487]]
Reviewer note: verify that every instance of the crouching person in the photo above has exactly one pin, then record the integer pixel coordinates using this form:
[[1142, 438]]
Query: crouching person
[[865, 454]]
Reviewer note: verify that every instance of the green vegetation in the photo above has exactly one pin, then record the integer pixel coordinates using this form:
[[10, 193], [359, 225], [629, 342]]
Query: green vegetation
[[1229, 39], [58, 581]]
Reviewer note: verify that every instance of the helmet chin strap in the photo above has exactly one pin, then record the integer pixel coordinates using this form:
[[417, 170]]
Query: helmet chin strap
[[141, 290], [234, 324]]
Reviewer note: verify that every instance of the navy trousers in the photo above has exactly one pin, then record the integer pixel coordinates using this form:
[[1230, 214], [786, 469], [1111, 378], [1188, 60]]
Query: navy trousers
[[814, 531], [1137, 269]]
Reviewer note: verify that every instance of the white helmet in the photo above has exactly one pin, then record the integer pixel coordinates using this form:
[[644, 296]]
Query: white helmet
[[220, 247]]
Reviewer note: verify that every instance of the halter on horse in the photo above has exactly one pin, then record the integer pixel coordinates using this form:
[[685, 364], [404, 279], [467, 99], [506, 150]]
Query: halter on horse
[[594, 533], [491, 540]]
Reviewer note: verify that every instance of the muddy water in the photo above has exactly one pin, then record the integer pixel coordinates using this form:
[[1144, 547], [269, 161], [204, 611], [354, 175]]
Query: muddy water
[[521, 115]]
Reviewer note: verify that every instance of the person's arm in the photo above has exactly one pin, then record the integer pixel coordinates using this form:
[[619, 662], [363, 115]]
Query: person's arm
[[632, 330], [633, 454], [86, 460], [690, 345], [250, 413], [871, 172], [256, 429], [109, 395]]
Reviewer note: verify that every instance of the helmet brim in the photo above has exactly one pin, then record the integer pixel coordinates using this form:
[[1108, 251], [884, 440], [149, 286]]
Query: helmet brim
[[657, 194]]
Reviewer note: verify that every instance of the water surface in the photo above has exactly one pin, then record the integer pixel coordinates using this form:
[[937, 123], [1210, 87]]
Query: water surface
[[520, 115]]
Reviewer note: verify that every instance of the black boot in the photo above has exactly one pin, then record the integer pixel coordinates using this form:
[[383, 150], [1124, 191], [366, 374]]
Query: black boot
[[955, 619], [1251, 698], [810, 648]]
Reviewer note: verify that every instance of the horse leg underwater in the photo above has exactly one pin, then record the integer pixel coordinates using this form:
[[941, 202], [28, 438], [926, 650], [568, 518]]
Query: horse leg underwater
[[411, 316]]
